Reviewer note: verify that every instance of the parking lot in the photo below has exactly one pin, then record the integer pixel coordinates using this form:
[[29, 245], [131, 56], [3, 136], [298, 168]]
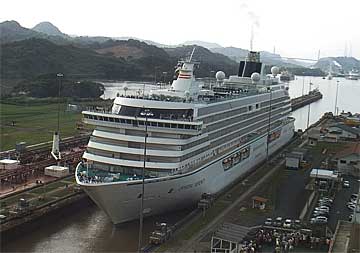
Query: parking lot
[[339, 210]]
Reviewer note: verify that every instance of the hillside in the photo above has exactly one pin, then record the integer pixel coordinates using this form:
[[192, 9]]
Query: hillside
[[48, 86], [238, 54], [209, 61], [12, 31], [129, 49], [208, 45], [29, 58], [49, 29], [338, 64]]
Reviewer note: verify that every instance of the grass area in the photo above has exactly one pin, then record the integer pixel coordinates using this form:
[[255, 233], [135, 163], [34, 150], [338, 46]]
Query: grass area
[[39, 191], [48, 187], [34, 123]]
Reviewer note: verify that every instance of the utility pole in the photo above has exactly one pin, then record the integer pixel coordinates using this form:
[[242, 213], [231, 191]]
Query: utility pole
[[147, 113]]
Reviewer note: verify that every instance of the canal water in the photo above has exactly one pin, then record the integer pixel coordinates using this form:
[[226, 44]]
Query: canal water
[[87, 229], [348, 98], [82, 228]]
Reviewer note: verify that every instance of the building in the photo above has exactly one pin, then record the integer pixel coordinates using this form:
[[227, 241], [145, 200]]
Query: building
[[9, 164], [348, 160], [345, 131], [324, 179], [229, 238], [293, 160], [56, 171]]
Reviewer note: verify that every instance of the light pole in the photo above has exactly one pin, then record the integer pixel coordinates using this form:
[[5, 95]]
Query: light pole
[[269, 124], [146, 113], [337, 89], [303, 84], [59, 75], [308, 116], [211, 75], [165, 73]]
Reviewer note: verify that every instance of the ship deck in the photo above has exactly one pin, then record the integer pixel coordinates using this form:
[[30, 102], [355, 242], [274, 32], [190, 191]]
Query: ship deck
[[93, 176]]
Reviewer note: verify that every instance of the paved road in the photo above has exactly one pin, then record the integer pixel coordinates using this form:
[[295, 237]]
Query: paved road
[[339, 211]]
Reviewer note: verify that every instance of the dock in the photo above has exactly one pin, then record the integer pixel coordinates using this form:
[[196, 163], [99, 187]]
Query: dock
[[304, 100]]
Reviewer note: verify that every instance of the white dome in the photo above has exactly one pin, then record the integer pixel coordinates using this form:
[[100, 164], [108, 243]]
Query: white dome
[[275, 70], [220, 75], [255, 77]]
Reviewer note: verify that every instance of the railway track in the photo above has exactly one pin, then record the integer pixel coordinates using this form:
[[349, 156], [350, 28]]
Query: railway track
[[40, 151]]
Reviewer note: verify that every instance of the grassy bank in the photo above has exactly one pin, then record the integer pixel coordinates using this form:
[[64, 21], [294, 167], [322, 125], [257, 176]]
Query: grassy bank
[[34, 123]]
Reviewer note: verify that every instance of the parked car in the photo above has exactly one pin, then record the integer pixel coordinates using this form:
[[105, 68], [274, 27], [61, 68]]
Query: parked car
[[351, 206], [327, 204], [346, 184], [297, 224], [322, 208], [319, 213], [319, 220], [326, 199], [354, 196], [351, 217], [278, 221], [352, 201], [287, 223], [268, 222]]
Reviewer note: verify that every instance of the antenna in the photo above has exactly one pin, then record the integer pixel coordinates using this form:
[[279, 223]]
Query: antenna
[[346, 49], [350, 49], [319, 54], [192, 53]]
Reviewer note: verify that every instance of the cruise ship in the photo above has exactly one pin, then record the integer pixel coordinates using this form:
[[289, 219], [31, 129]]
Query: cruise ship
[[192, 138]]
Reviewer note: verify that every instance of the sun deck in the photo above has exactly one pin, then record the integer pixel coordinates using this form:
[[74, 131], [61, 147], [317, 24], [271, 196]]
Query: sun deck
[[94, 176]]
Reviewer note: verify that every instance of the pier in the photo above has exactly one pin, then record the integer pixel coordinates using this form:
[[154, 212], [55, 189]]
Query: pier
[[304, 100]]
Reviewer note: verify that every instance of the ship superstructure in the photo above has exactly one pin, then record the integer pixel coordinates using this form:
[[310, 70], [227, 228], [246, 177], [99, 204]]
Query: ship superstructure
[[199, 139]]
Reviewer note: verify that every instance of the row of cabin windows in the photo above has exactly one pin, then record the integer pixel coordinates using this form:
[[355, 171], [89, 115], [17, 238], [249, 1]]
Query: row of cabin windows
[[222, 115], [142, 123], [240, 118], [260, 120]]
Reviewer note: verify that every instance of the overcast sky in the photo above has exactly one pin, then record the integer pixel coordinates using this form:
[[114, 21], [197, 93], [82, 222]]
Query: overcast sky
[[296, 28]]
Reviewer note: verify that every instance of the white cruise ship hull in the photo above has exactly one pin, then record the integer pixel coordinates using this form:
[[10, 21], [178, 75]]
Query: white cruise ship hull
[[121, 200]]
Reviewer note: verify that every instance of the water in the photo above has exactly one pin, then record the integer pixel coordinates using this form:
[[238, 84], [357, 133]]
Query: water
[[87, 229], [84, 228], [348, 98]]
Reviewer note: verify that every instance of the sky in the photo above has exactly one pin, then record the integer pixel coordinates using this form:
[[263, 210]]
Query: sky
[[295, 28]]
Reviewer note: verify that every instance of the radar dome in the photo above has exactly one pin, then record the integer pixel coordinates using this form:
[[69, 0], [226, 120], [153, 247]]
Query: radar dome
[[275, 70], [255, 77], [220, 75]]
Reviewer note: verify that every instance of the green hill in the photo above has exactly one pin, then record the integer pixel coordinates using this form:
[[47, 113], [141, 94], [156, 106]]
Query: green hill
[[33, 57]]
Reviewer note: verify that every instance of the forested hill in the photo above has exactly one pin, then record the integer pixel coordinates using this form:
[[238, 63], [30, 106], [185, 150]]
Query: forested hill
[[119, 60], [33, 57]]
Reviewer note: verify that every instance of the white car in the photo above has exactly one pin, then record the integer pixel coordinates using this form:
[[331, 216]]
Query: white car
[[268, 222], [351, 217], [346, 184], [354, 196], [322, 209], [319, 220], [287, 223], [278, 221], [351, 206], [327, 198]]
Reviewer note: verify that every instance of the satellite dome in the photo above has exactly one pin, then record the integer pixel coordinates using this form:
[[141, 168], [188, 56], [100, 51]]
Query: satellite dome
[[275, 70], [220, 75], [255, 77]]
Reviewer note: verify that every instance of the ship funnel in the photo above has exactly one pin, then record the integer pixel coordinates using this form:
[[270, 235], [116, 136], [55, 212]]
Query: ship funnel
[[251, 65]]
